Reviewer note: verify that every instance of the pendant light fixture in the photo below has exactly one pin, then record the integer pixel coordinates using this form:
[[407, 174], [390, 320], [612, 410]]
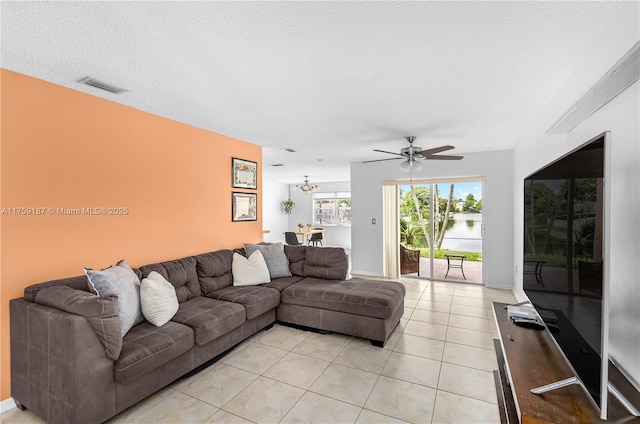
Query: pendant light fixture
[[306, 187]]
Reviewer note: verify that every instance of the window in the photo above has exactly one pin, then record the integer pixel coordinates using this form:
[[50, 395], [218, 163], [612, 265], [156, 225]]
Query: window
[[332, 208]]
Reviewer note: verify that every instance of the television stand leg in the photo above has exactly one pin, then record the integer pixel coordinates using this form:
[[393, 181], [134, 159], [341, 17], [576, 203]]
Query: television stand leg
[[573, 380], [556, 385], [623, 400]]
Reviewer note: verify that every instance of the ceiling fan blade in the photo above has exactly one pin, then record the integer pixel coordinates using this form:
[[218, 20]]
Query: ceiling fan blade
[[380, 160], [384, 151], [443, 157], [428, 152]]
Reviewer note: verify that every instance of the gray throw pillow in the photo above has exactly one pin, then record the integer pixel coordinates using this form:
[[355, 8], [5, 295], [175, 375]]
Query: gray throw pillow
[[122, 281], [274, 256]]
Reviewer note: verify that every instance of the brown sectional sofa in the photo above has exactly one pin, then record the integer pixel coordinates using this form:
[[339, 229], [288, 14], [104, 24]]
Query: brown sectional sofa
[[70, 364]]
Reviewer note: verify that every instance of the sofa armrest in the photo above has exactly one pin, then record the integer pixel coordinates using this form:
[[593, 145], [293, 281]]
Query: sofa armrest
[[100, 311], [59, 368]]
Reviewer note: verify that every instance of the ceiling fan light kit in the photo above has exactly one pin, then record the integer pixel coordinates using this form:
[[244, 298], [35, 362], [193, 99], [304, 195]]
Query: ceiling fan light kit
[[410, 164], [307, 188]]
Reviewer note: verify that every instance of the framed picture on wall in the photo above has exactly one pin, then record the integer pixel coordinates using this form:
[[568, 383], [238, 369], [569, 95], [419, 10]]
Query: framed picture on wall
[[244, 173], [244, 207]]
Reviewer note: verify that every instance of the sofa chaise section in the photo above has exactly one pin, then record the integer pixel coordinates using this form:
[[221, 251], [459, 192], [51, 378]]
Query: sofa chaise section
[[362, 308], [324, 300]]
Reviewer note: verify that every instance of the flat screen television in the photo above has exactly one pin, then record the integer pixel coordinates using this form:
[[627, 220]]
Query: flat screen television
[[563, 256]]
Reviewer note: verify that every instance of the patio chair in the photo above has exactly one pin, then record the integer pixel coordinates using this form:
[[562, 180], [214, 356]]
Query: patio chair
[[409, 261]]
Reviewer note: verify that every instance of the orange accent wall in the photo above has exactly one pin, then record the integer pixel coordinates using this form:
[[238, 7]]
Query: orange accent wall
[[62, 148]]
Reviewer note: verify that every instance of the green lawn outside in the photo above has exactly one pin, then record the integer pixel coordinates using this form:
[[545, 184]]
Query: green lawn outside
[[439, 254]]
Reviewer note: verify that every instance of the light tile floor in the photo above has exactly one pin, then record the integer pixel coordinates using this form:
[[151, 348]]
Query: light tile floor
[[436, 368]]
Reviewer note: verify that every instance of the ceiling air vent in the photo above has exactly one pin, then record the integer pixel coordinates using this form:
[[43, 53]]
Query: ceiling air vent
[[102, 85], [277, 164], [288, 149]]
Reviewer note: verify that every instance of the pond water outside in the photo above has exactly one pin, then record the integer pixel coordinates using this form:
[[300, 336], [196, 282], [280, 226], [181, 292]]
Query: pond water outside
[[464, 233]]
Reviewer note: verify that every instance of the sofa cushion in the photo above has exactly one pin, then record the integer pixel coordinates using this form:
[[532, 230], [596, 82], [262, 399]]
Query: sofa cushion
[[181, 273], [282, 283], [214, 270], [256, 299], [329, 263], [123, 282], [296, 255], [100, 311], [376, 299], [249, 271], [146, 347], [277, 261], [209, 318], [158, 299]]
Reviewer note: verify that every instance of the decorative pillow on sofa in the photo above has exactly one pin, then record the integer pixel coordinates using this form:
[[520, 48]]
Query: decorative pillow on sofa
[[158, 299], [100, 311], [181, 273], [277, 261], [122, 281], [249, 271]]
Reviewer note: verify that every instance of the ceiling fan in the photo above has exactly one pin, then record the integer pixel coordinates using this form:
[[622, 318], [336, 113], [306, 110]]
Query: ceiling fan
[[412, 153]]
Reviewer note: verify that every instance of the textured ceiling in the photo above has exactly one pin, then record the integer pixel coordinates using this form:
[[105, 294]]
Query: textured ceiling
[[332, 80]]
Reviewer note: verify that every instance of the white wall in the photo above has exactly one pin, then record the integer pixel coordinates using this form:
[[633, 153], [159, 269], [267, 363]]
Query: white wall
[[366, 197], [273, 219], [622, 118], [336, 236]]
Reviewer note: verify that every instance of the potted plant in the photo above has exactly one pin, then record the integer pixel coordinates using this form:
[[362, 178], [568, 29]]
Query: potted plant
[[287, 206], [410, 232]]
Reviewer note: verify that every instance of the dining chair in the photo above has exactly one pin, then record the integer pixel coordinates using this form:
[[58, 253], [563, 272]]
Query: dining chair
[[291, 238], [316, 238]]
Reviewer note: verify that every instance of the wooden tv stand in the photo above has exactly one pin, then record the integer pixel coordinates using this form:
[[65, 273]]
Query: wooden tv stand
[[532, 359]]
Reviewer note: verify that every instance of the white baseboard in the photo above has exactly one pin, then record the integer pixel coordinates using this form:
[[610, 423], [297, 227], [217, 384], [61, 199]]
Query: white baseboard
[[7, 405], [367, 274], [505, 286]]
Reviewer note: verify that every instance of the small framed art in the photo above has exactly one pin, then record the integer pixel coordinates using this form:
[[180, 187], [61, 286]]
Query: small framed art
[[244, 207], [244, 173]]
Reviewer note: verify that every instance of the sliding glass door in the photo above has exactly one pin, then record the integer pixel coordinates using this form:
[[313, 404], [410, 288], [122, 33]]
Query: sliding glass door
[[440, 225]]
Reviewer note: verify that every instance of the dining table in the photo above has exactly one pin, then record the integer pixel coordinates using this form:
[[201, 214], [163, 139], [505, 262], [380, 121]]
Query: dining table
[[306, 235]]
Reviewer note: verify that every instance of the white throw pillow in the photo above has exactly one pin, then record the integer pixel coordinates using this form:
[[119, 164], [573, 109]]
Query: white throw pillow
[[249, 271], [158, 299]]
